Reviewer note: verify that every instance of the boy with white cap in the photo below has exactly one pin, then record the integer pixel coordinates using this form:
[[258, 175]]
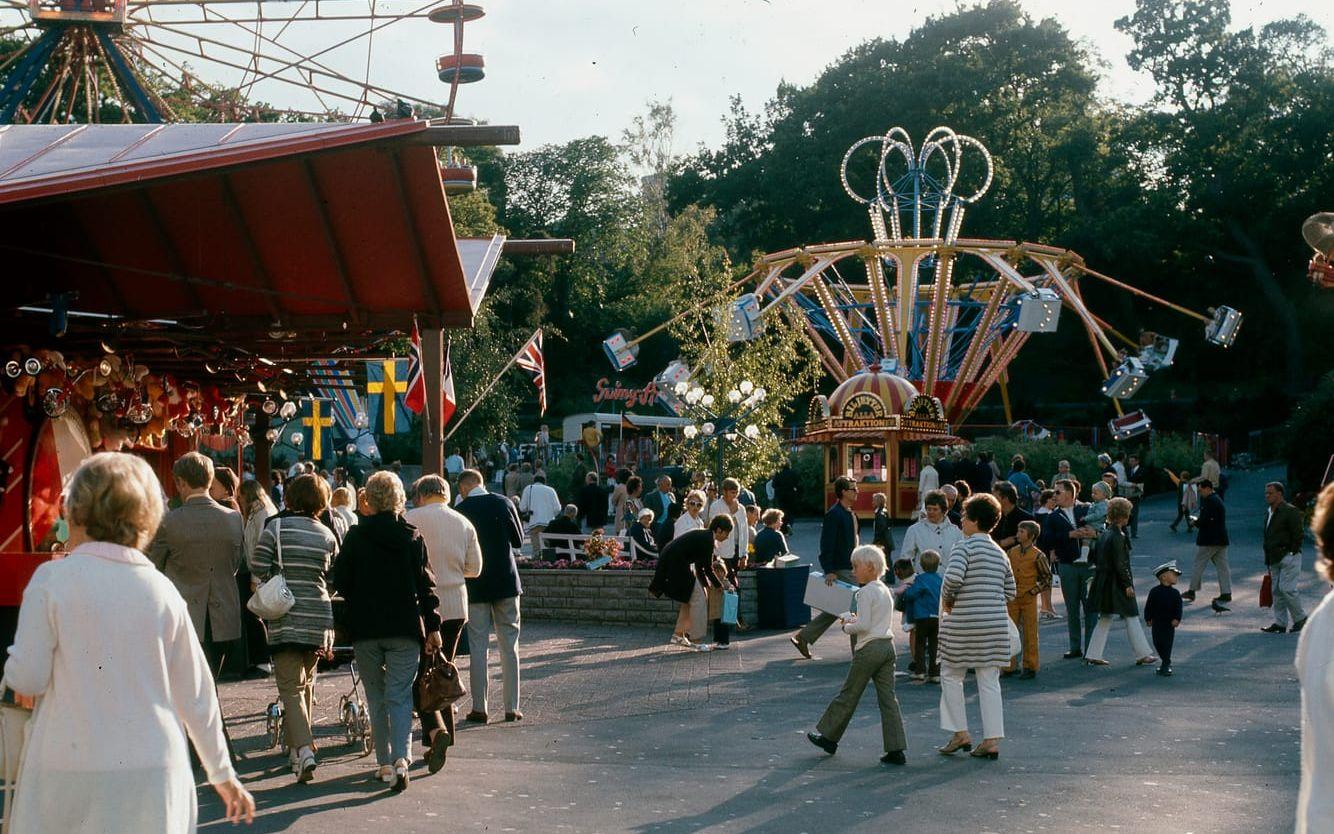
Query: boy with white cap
[[1162, 613]]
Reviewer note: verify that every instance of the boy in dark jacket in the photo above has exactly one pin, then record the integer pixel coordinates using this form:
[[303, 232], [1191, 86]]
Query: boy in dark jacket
[[921, 601], [1162, 613]]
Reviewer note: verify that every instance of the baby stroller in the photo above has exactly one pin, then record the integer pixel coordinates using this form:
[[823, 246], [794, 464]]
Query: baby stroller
[[352, 713]]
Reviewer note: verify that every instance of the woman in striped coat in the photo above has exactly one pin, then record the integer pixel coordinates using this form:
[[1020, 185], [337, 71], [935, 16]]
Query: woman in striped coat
[[974, 628], [296, 639]]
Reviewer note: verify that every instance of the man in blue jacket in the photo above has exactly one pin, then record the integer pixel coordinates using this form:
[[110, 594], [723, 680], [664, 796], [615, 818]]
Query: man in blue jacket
[[493, 597], [838, 537], [1211, 543]]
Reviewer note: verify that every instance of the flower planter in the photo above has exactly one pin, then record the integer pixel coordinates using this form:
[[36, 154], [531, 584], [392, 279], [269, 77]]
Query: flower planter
[[607, 597]]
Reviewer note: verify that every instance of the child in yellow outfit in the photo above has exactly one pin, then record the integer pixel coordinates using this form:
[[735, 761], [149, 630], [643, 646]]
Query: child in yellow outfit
[[1032, 575]]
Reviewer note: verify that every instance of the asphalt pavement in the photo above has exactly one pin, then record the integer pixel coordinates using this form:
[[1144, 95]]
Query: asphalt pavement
[[624, 734]]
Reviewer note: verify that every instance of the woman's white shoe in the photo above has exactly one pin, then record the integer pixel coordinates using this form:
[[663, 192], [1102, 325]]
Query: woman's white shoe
[[400, 775]]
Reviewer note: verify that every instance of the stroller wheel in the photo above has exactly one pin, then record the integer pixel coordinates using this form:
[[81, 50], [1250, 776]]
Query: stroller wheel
[[273, 723], [364, 729]]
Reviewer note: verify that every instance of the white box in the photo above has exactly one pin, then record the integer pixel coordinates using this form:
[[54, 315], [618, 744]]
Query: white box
[[787, 560], [831, 599]]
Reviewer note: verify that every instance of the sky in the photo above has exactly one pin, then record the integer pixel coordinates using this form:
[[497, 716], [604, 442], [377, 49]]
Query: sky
[[563, 69]]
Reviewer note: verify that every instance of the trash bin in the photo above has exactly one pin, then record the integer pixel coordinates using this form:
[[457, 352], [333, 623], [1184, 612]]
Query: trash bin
[[780, 592]]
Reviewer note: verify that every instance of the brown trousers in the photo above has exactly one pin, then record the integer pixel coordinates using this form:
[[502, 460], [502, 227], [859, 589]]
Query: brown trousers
[[1024, 612], [294, 672]]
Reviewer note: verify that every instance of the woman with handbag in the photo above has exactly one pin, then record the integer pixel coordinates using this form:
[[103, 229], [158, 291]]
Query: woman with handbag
[[256, 510], [385, 575], [107, 747], [455, 554], [1112, 592], [297, 551], [975, 628]]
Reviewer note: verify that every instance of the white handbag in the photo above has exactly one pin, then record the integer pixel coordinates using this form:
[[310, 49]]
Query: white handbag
[[1016, 644], [273, 599], [14, 723]]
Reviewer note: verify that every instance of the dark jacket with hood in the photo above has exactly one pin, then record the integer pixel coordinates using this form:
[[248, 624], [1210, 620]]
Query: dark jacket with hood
[[385, 576]]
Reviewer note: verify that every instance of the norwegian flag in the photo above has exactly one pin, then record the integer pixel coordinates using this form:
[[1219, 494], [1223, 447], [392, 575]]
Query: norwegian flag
[[416, 395], [530, 359], [448, 401]]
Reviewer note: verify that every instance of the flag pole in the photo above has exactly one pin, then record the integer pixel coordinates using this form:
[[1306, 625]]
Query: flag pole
[[490, 385]]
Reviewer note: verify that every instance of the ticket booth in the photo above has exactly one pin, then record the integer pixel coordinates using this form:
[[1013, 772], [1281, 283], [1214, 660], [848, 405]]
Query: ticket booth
[[875, 428]]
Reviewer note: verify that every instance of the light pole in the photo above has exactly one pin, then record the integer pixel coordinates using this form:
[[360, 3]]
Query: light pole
[[720, 423]]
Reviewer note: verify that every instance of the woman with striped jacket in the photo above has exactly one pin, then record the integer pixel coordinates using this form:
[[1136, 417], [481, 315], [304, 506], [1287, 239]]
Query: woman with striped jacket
[[974, 628], [306, 549]]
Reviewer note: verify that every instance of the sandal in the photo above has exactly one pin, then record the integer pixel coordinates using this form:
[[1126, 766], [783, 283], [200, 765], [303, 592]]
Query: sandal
[[955, 746], [1146, 660]]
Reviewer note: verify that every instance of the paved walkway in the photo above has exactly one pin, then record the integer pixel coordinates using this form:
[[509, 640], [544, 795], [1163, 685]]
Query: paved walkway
[[623, 734]]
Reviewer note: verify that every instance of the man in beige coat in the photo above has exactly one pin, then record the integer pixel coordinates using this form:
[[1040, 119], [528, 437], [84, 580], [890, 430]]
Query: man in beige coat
[[199, 546]]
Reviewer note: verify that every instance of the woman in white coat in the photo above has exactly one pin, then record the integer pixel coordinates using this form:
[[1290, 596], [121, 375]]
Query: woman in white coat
[[107, 750], [1315, 669], [692, 518]]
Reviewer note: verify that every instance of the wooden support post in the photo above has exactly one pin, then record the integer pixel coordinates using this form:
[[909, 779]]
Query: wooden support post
[[433, 434], [263, 449]]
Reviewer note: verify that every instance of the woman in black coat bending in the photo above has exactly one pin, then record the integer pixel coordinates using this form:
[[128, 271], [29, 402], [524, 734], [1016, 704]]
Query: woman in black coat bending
[[685, 567], [1112, 592]]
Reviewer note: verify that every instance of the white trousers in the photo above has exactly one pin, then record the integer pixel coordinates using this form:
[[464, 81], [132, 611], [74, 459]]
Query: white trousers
[[954, 716], [1139, 644]]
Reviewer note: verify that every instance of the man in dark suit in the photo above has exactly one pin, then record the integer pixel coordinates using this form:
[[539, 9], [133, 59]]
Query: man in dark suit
[[1066, 541], [838, 537], [493, 597], [199, 546], [1211, 544], [660, 501], [1283, 558]]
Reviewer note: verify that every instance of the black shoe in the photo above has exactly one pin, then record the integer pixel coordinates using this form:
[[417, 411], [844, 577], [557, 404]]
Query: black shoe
[[1297, 626], [1027, 675], [830, 747], [439, 751], [1007, 673], [1274, 628], [1165, 671], [1072, 655], [1173, 527], [1189, 596], [1223, 598], [894, 757], [1218, 609], [802, 646]]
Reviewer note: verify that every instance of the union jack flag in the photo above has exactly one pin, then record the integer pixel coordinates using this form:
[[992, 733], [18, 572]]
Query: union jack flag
[[530, 359]]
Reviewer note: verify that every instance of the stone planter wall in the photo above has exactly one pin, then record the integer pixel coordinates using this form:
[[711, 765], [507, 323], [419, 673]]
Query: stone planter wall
[[608, 598]]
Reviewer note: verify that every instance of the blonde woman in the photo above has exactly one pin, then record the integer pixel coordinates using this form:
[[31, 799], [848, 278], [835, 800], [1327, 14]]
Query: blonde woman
[[341, 503], [692, 518], [108, 750]]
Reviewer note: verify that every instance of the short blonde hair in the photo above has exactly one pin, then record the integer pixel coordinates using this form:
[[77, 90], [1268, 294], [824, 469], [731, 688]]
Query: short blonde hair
[[1118, 509], [195, 469], [116, 498], [878, 499], [697, 495], [384, 493], [342, 497], [1100, 488], [869, 554], [771, 516]]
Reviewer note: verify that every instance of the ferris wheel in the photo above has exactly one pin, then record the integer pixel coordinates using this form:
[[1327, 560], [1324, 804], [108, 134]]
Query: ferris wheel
[[109, 60]]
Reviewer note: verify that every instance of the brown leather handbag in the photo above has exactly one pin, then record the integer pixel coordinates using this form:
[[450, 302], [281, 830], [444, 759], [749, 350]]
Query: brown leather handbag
[[439, 684]]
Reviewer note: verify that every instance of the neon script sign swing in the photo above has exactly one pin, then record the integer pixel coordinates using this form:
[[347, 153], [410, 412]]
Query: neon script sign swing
[[615, 392]]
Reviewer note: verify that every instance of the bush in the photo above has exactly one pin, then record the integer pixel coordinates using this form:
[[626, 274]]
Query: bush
[[1041, 456], [808, 463]]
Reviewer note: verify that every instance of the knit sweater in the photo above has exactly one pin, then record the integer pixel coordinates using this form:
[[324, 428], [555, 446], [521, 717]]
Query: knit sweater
[[978, 579], [308, 549], [451, 544]]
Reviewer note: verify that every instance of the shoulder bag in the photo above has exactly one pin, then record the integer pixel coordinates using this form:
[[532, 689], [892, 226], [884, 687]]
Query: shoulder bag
[[273, 599], [439, 685]]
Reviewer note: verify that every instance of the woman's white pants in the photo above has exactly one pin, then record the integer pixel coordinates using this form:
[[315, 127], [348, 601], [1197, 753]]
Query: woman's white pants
[[1139, 644], [954, 717]]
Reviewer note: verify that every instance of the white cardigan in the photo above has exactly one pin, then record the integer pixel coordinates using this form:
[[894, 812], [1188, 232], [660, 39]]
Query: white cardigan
[[451, 545], [1315, 799], [107, 641]]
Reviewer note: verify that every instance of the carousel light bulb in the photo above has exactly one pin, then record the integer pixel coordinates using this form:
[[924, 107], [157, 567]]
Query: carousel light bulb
[[269, 407], [752, 431], [760, 394], [734, 396], [690, 432], [694, 394], [288, 410], [297, 437], [730, 436], [747, 386], [13, 369], [707, 429], [681, 388], [372, 452], [361, 421], [351, 448], [707, 401], [271, 435]]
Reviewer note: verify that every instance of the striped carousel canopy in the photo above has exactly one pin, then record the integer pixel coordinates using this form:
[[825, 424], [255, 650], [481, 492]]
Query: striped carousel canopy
[[871, 393]]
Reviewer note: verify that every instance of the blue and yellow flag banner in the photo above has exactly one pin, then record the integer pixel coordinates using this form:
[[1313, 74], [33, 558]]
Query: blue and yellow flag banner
[[386, 387]]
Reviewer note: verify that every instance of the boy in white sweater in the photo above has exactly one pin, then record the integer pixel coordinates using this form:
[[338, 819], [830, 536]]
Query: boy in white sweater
[[872, 661]]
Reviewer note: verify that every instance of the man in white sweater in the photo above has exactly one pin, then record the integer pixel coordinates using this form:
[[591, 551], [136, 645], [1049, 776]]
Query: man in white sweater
[[872, 662], [933, 531], [539, 505], [455, 555]]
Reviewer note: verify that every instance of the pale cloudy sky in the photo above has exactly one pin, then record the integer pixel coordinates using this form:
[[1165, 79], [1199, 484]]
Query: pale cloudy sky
[[571, 68]]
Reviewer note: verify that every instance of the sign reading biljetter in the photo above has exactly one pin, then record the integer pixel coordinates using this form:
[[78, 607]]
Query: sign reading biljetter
[[608, 391]]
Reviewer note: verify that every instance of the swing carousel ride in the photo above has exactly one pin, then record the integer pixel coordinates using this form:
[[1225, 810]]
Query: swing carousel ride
[[918, 324], [96, 60]]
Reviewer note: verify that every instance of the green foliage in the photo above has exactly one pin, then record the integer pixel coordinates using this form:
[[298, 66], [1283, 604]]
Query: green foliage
[[1042, 456], [1306, 439], [808, 463]]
